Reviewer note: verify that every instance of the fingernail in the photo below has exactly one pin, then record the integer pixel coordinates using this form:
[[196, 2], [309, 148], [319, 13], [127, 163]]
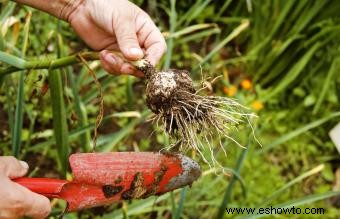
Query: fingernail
[[136, 52], [24, 164], [110, 59]]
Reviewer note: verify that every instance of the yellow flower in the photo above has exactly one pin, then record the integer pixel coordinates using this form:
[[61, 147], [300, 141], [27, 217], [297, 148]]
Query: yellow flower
[[257, 105], [230, 91], [246, 84]]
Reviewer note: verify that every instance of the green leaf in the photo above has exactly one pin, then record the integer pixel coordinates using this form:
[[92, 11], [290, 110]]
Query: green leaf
[[335, 67], [293, 73], [19, 109], [170, 42], [177, 214], [297, 132], [18, 117], [303, 176], [108, 142], [298, 202], [59, 117], [229, 189], [237, 31]]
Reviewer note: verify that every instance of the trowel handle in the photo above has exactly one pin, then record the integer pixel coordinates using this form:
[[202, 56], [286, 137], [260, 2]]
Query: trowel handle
[[44, 186]]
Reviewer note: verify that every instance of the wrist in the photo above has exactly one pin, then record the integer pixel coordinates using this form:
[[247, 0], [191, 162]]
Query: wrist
[[61, 9], [67, 8], [77, 11]]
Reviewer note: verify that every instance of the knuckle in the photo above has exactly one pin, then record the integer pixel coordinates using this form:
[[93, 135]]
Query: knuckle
[[122, 20], [129, 15], [144, 20]]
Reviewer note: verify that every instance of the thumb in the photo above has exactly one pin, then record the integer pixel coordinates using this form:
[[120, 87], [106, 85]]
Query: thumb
[[127, 39], [11, 167]]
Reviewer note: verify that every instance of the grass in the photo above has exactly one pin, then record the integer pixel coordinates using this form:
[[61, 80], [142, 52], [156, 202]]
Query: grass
[[59, 117], [229, 189], [288, 49], [19, 109]]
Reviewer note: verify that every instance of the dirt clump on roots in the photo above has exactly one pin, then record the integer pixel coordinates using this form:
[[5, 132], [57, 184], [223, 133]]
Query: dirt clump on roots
[[166, 93], [193, 120]]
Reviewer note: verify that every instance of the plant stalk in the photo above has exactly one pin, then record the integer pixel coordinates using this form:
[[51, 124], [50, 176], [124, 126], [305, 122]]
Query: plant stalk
[[17, 64]]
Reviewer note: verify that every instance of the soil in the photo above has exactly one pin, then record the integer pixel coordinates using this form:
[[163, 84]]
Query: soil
[[164, 88], [110, 190], [137, 188], [155, 185], [47, 167]]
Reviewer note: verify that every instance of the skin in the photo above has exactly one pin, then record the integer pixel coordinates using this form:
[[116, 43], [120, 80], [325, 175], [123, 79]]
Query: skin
[[19, 201], [114, 25], [105, 25], [124, 28]]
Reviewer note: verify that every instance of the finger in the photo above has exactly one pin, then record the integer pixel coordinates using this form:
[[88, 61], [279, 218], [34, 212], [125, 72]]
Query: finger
[[127, 39], [32, 204], [111, 63], [12, 168], [22, 202], [39, 207], [128, 69], [115, 65], [139, 74], [152, 40], [131, 70], [155, 47], [155, 52]]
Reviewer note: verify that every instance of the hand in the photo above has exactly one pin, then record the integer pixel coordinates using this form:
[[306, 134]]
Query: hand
[[118, 25], [17, 201]]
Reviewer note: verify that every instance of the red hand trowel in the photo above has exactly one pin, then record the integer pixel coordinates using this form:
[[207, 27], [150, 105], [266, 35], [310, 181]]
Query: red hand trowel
[[103, 178]]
